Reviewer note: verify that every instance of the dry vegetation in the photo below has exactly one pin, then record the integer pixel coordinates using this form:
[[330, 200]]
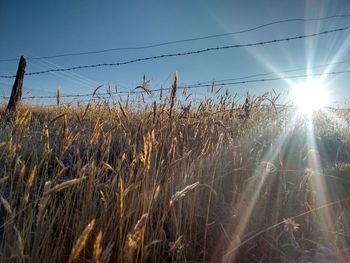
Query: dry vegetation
[[171, 182]]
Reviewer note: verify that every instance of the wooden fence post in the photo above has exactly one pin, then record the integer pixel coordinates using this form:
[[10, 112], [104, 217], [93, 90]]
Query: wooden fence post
[[16, 93]]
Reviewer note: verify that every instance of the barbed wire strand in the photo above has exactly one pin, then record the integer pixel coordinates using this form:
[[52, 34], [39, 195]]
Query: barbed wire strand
[[217, 82], [182, 53], [260, 80], [181, 40], [193, 86]]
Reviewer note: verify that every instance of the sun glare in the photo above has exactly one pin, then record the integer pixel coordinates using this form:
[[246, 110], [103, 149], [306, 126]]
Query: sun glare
[[310, 95]]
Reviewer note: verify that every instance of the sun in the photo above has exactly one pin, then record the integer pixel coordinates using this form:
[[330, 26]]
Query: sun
[[310, 95]]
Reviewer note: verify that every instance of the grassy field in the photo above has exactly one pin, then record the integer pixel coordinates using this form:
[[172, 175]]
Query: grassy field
[[168, 181]]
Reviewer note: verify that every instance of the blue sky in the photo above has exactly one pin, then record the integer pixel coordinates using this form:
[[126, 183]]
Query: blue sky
[[40, 28]]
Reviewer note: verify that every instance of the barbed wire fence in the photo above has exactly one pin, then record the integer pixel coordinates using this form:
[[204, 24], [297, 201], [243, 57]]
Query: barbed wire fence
[[206, 84], [180, 54]]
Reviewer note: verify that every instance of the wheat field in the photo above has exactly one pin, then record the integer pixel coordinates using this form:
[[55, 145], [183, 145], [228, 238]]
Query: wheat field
[[171, 180]]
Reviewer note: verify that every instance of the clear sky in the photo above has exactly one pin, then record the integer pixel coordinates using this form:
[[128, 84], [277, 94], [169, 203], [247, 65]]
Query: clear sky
[[43, 28]]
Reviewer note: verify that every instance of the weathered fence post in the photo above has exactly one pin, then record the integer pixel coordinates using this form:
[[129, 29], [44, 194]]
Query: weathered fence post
[[16, 93]]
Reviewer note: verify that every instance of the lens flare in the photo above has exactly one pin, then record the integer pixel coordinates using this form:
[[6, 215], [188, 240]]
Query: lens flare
[[310, 95]]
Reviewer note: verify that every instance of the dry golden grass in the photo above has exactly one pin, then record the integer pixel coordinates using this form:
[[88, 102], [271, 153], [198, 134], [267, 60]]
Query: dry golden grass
[[172, 180]]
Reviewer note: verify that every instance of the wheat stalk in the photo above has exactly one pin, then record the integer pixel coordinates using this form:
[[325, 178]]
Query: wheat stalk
[[65, 185], [123, 110], [106, 254], [6, 205], [43, 201], [173, 95], [97, 248], [134, 238], [30, 182], [20, 243], [81, 242], [182, 193]]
